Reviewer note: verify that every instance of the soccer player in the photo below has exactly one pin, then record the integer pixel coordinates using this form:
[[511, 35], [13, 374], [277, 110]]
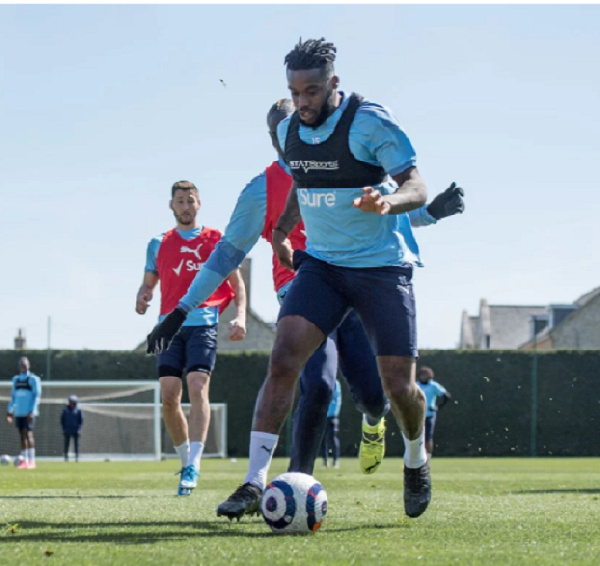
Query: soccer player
[[331, 439], [173, 258], [432, 390], [256, 213], [24, 408], [71, 421], [360, 253]]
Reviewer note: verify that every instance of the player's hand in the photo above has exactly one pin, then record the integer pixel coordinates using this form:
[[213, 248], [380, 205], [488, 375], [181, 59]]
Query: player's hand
[[162, 334], [237, 329], [283, 248], [142, 302], [448, 203], [372, 201], [30, 418], [9, 419]]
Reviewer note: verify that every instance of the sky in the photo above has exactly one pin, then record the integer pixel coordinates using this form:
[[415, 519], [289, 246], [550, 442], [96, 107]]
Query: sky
[[103, 107]]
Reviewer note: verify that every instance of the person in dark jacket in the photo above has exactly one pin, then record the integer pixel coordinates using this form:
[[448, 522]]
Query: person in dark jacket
[[71, 421]]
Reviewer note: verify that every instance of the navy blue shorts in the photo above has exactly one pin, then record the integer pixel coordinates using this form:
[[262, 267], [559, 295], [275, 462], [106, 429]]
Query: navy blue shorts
[[429, 426], [194, 348], [381, 296], [22, 423]]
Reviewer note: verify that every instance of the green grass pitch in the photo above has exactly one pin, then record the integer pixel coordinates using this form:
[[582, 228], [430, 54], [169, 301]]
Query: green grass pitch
[[484, 511]]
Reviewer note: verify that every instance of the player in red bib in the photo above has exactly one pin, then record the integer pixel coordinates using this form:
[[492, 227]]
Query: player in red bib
[[174, 258]]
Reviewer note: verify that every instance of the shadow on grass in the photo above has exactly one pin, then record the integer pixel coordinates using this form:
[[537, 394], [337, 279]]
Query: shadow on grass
[[3, 497], [105, 533], [542, 491]]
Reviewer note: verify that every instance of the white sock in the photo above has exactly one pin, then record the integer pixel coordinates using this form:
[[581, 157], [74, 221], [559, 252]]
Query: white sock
[[262, 446], [24, 454], [196, 449], [415, 455], [30, 455], [183, 451]]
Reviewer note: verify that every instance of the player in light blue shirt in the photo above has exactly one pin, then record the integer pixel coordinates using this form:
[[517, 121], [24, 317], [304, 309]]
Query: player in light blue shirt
[[433, 391], [24, 408], [331, 438]]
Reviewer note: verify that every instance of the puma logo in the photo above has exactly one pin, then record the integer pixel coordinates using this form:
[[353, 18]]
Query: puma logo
[[269, 451], [196, 251], [373, 467]]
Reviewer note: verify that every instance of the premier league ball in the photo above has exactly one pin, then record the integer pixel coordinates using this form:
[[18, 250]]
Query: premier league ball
[[294, 503], [5, 459]]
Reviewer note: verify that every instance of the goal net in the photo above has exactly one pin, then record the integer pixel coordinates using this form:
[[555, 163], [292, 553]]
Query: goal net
[[122, 421]]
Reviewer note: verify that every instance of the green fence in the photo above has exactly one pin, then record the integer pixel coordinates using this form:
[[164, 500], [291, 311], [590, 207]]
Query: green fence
[[495, 394]]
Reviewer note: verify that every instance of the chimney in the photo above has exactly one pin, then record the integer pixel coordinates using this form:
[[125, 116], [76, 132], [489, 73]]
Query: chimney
[[20, 341]]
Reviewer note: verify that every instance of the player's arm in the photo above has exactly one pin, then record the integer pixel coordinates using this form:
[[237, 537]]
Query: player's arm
[[288, 220], [237, 327], [36, 396], [243, 231], [443, 395], [11, 405], [146, 292]]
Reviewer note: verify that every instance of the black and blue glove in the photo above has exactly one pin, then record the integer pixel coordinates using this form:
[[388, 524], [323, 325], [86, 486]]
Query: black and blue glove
[[448, 203], [163, 333]]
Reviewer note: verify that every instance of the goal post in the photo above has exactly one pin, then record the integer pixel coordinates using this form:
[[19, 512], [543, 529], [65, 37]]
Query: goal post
[[122, 421]]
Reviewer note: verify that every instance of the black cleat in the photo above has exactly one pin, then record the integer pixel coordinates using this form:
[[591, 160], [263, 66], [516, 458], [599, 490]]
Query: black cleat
[[243, 501], [417, 490]]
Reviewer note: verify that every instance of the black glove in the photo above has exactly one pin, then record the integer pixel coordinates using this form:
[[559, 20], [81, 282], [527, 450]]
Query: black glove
[[162, 334], [448, 203]]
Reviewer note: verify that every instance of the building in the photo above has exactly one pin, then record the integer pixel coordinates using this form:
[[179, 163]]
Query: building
[[544, 327]]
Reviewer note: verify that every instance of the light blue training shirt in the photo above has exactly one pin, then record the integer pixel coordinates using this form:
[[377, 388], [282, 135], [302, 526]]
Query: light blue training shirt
[[24, 401], [335, 405], [338, 233], [432, 391]]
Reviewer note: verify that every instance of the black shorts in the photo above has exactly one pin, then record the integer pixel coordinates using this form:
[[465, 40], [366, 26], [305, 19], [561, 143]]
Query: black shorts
[[381, 296], [22, 423], [194, 348]]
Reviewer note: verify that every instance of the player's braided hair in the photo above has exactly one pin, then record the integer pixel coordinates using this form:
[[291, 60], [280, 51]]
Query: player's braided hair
[[311, 54]]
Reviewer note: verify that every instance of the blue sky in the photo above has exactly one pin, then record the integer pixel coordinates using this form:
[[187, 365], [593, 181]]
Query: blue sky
[[102, 108]]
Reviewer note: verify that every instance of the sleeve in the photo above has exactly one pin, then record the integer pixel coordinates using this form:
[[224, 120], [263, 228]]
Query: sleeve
[[377, 138], [420, 217], [440, 390], [243, 231], [37, 395], [80, 418], [11, 404], [152, 254], [62, 418]]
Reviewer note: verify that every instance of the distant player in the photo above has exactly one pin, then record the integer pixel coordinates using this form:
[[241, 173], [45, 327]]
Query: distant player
[[174, 258], [433, 391], [24, 408], [331, 439]]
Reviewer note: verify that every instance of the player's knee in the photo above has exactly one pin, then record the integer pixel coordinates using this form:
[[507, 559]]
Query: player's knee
[[401, 390], [284, 364]]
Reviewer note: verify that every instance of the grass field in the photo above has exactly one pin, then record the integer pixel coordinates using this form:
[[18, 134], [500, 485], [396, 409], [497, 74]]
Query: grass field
[[484, 511]]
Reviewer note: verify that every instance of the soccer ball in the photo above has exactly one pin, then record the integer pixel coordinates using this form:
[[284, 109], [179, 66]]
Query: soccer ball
[[5, 459], [18, 461], [294, 503]]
